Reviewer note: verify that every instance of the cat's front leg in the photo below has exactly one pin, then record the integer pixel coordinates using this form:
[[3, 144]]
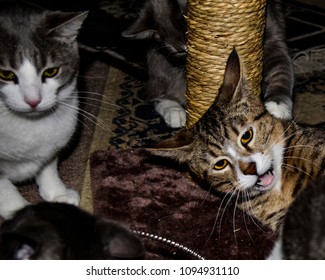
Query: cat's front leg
[[173, 113], [10, 199], [52, 188]]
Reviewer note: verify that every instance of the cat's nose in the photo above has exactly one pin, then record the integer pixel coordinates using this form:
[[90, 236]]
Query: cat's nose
[[248, 168], [33, 102]]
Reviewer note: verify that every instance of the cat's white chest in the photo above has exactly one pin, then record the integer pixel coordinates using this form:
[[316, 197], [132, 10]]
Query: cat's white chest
[[26, 144]]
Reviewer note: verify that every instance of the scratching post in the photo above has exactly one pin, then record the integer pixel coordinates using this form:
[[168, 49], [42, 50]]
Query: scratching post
[[215, 27]]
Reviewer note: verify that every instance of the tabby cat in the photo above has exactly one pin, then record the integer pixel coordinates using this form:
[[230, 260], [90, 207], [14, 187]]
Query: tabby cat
[[163, 22], [303, 234], [39, 64], [59, 231], [238, 148]]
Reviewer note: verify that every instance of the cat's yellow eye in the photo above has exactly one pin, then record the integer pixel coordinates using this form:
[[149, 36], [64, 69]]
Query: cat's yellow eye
[[221, 164], [51, 72], [247, 137], [7, 75]]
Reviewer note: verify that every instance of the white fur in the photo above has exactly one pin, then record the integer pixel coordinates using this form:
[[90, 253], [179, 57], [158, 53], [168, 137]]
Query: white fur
[[263, 163], [281, 111], [173, 113], [29, 146], [276, 253]]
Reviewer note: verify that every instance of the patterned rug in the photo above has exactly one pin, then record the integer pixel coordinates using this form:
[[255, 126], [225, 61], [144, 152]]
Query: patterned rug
[[109, 18], [134, 122]]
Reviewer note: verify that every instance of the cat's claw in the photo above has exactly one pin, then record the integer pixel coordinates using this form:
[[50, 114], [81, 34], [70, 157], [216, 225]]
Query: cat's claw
[[172, 112], [279, 110]]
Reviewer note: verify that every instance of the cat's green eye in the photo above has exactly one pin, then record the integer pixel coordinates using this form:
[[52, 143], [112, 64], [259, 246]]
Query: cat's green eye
[[247, 137], [51, 72], [7, 75], [221, 164]]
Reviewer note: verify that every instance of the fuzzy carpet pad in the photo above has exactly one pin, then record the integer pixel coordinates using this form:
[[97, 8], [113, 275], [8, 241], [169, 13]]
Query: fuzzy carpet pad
[[150, 194]]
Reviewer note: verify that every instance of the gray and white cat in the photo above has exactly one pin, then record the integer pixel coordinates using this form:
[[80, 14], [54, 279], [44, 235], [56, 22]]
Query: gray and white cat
[[163, 22], [303, 233], [39, 64]]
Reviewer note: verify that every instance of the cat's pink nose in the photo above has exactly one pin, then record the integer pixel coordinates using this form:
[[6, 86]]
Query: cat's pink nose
[[33, 102]]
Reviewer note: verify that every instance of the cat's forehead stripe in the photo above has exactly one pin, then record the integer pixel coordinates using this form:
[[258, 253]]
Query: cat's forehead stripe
[[27, 70], [231, 151]]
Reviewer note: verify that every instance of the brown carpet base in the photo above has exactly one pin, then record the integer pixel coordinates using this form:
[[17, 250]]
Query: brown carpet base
[[152, 195]]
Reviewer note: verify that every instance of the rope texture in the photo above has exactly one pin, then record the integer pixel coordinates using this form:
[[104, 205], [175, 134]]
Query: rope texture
[[215, 27]]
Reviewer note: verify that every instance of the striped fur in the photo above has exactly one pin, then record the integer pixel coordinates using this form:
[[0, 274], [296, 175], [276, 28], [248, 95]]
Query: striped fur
[[268, 160]]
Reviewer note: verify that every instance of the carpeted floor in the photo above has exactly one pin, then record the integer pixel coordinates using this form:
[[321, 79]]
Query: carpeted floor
[[117, 180]]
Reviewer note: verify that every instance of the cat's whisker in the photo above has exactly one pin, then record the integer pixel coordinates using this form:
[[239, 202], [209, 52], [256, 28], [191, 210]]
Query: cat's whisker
[[81, 93], [217, 218], [280, 142], [76, 117], [303, 146], [100, 102], [249, 210], [232, 192], [234, 218], [300, 158], [90, 117], [96, 106], [89, 77], [246, 213], [101, 98], [245, 196], [295, 168]]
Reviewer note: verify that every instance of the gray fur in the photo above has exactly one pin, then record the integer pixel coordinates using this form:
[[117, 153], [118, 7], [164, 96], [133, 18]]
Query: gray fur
[[39, 64]]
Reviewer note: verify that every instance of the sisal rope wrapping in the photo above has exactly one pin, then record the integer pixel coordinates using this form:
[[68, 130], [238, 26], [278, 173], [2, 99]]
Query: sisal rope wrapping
[[215, 27]]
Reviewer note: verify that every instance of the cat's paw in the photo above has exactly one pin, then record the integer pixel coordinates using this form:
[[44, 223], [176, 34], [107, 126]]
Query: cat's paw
[[279, 110], [69, 196], [8, 209], [173, 113]]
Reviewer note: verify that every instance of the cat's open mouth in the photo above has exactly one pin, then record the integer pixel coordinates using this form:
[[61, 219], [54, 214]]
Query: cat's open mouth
[[265, 180]]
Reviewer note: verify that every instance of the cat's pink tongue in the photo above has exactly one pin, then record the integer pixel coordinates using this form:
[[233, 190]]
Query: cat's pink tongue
[[266, 179]]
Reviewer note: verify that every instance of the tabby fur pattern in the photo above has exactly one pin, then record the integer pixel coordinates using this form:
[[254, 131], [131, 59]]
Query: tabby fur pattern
[[239, 149]]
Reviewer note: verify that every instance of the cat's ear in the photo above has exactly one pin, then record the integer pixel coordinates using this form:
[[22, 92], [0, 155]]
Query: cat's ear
[[15, 246], [65, 25], [120, 242], [142, 27], [230, 88], [178, 147]]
